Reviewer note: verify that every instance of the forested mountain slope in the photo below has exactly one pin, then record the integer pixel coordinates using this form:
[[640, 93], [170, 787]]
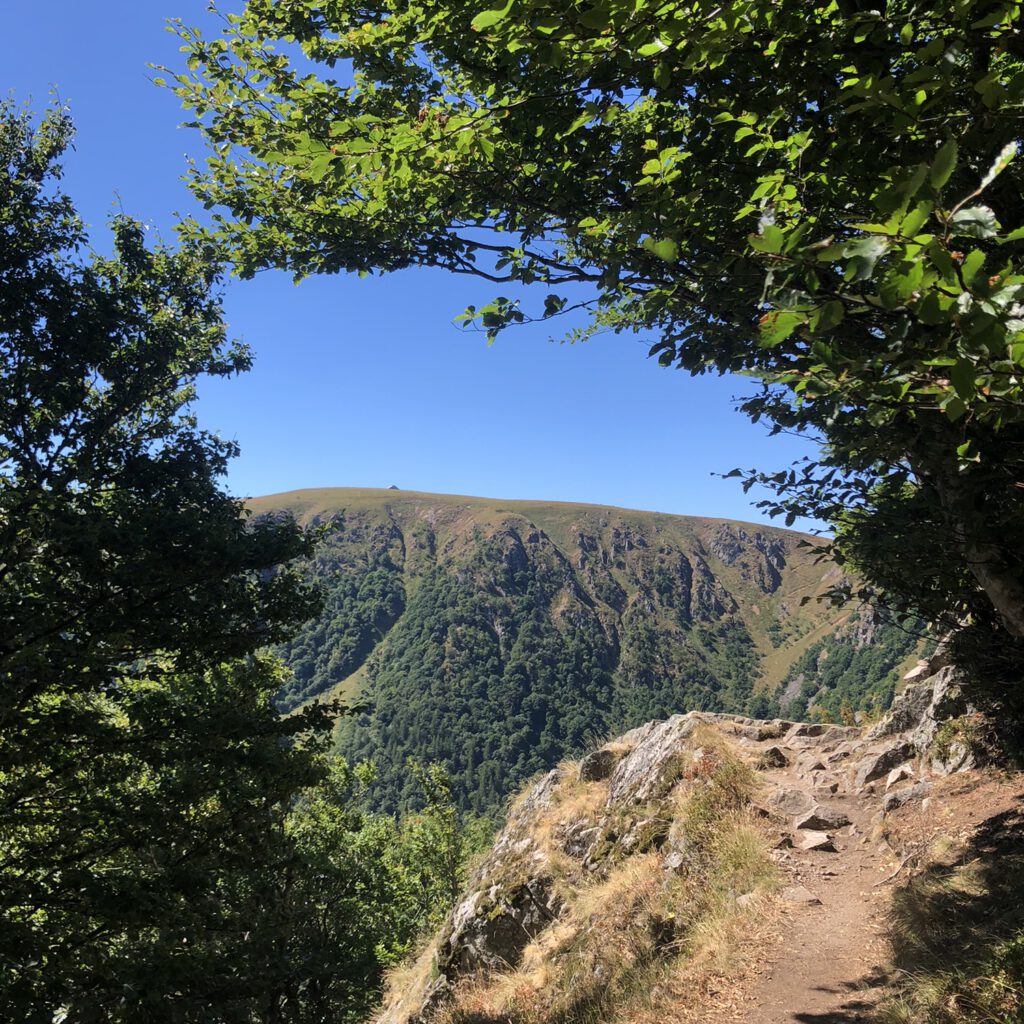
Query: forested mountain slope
[[501, 636]]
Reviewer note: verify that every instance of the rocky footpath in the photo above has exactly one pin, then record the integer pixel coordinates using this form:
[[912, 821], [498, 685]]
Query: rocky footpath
[[823, 791]]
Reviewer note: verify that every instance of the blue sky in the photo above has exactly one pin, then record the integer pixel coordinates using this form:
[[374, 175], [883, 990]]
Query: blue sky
[[368, 382]]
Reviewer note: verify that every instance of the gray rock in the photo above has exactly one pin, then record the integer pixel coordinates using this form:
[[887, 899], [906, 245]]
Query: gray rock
[[822, 820], [773, 757], [816, 841], [677, 862], [922, 707], [800, 894], [808, 729], [918, 673], [959, 758], [901, 797], [578, 839], [491, 929], [792, 801], [598, 765], [653, 766], [825, 783], [906, 713], [904, 771], [876, 766]]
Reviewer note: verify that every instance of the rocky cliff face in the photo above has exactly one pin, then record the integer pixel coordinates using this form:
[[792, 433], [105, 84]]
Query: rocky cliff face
[[662, 804]]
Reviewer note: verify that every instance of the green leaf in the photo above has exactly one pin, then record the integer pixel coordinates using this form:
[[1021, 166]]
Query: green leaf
[[972, 264], [830, 315], [863, 255], [953, 407], [485, 19], [962, 376], [650, 49], [916, 219], [974, 222], [776, 327], [596, 18], [943, 164], [664, 248], [770, 240]]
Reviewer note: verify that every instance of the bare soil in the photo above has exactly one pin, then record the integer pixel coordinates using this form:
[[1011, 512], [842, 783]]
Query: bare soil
[[829, 963]]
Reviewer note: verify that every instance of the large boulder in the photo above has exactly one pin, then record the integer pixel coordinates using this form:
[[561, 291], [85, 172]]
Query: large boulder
[[879, 763], [654, 765], [491, 929], [921, 709]]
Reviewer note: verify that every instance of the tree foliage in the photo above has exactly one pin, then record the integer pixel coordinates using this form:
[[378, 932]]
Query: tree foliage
[[822, 195], [145, 774]]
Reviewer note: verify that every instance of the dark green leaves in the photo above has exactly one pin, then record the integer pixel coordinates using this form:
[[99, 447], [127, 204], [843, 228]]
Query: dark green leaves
[[943, 165]]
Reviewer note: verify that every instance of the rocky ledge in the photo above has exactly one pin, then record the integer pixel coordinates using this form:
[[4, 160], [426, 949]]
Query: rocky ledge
[[822, 788]]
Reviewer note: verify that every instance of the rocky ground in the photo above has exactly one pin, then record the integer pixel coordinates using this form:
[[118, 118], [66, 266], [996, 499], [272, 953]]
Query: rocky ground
[[828, 802]]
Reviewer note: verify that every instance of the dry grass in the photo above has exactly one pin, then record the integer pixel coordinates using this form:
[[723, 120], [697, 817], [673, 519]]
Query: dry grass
[[407, 982], [636, 942], [957, 932]]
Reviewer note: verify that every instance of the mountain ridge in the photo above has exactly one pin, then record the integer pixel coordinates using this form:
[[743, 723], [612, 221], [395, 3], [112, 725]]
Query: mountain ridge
[[500, 635], [303, 499]]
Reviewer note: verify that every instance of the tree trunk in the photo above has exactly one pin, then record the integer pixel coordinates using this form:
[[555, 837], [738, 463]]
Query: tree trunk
[[987, 560]]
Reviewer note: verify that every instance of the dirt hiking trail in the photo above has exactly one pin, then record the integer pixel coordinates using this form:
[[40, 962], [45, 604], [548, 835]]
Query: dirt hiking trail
[[827, 962]]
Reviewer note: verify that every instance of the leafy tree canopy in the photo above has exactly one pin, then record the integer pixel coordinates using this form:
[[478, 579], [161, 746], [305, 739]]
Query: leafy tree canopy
[[822, 195], [145, 775]]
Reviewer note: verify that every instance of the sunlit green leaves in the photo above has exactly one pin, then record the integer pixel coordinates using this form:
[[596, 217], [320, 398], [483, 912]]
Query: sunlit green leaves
[[664, 248], [974, 222], [485, 19]]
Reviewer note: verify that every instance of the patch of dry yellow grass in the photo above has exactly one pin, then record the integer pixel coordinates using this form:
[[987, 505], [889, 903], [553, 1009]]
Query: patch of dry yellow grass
[[635, 943]]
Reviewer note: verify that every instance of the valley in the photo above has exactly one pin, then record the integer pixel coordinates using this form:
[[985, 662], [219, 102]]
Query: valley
[[499, 637]]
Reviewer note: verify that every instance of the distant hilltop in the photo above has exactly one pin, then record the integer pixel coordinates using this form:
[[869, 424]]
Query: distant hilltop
[[500, 636]]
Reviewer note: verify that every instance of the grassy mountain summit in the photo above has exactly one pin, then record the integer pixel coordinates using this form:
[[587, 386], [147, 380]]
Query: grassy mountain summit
[[501, 636]]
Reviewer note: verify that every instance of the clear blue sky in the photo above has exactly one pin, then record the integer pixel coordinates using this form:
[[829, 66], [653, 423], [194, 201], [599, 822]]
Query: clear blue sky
[[367, 382]]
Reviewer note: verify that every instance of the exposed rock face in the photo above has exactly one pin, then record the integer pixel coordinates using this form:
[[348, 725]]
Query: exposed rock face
[[489, 935], [879, 763], [651, 764], [818, 792]]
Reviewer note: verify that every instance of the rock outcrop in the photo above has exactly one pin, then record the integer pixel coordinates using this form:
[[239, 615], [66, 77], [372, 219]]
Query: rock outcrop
[[820, 790]]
